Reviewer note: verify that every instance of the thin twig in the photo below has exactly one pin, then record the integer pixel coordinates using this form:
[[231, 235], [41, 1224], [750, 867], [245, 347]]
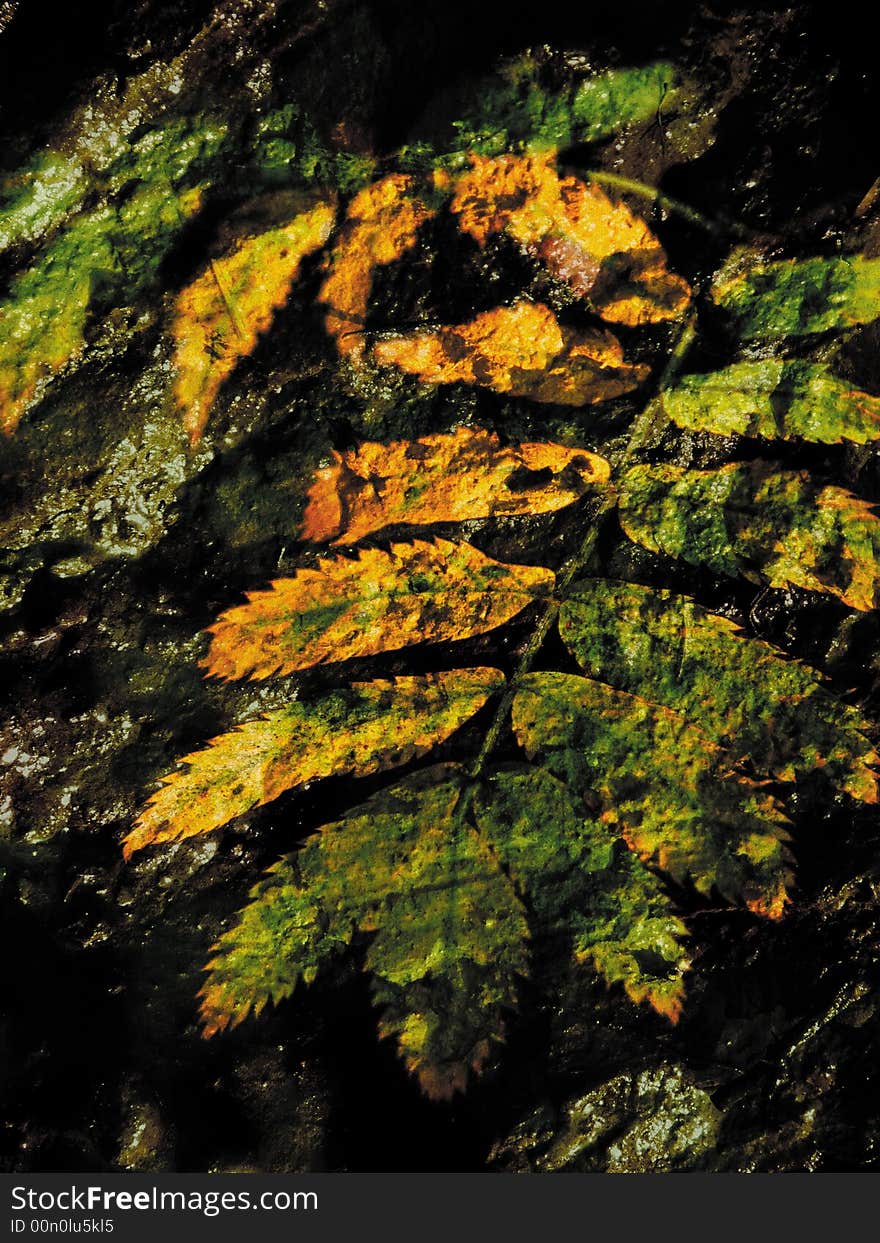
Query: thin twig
[[719, 227], [227, 302], [645, 423], [224, 296]]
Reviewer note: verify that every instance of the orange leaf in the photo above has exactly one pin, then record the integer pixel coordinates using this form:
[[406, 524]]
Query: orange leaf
[[218, 318], [414, 593], [365, 728], [383, 221], [597, 246], [522, 350], [445, 478]]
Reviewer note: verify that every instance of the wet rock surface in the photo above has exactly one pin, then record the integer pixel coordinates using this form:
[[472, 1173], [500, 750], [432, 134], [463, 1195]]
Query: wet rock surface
[[121, 542]]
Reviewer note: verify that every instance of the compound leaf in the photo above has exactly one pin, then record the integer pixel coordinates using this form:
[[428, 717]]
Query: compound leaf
[[740, 692], [382, 224], [799, 296], [366, 728], [378, 602], [599, 247], [220, 316], [775, 399], [445, 478], [774, 526], [676, 798], [522, 350], [448, 933], [579, 876]]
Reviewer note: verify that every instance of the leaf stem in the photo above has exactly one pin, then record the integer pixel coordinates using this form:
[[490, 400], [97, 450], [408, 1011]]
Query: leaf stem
[[644, 426], [718, 227]]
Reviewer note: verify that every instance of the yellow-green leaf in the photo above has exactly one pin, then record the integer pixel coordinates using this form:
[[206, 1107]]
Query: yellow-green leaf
[[448, 936], [378, 602], [220, 316], [366, 728], [741, 693], [776, 399], [799, 296], [774, 526], [445, 478], [678, 801]]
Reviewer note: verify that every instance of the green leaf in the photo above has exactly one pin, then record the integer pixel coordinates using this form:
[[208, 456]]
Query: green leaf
[[449, 935], [105, 256], [676, 797], [799, 296], [513, 109], [365, 728], [741, 693], [608, 102], [774, 399], [770, 525], [578, 876], [42, 322], [36, 197]]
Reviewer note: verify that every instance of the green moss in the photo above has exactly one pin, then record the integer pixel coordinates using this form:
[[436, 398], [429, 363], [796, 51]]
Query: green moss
[[42, 324], [106, 256], [610, 101], [177, 150], [516, 110], [289, 149], [157, 188], [38, 196], [657, 1121]]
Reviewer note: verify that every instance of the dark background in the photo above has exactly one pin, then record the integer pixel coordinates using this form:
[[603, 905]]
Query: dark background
[[105, 1067]]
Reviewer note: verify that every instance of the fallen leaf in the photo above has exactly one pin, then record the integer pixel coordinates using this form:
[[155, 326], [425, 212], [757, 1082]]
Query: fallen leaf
[[522, 350], [366, 728], [448, 935], [798, 296], [444, 478], [774, 526], [599, 247], [382, 224], [378, 602], [673, 795], [740, 692], [580, 878], [220, 316], [777, 399]]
